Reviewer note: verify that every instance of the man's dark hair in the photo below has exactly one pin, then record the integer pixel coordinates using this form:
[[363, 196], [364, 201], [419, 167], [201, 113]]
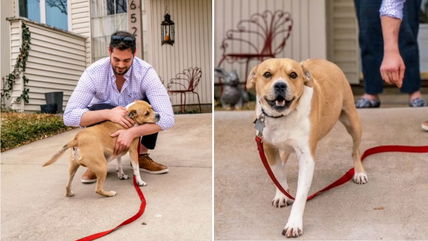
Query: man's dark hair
[[122, 40]]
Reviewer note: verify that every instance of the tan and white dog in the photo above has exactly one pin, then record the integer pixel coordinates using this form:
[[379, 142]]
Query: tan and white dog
[[93, 147], [299, 103]]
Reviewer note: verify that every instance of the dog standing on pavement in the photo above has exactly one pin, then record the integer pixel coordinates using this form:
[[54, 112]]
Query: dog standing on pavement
[[299, 103], [93, 147]]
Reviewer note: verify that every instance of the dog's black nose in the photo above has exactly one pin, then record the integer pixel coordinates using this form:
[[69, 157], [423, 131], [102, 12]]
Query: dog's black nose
[[280, 86], [157, 116]]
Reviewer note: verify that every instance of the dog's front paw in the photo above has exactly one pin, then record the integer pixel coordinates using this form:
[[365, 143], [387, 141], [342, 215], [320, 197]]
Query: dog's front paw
[[360, 178], [141, 183], [122, 176], [69, 194], [280, 200], [106, 193], [293, 229]]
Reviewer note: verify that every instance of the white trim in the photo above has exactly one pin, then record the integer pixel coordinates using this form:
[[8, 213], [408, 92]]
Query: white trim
[[43, 11], [17, 8], [70, 26]]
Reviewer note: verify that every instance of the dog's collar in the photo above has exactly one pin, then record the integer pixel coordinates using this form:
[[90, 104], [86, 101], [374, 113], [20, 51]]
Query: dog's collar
[[259, 123], [272, 116]]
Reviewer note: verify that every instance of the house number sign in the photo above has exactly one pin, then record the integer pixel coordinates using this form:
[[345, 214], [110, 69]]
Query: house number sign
[[134, 24]]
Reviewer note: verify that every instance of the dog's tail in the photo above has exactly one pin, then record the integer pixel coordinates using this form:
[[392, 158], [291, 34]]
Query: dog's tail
[[72, 143]]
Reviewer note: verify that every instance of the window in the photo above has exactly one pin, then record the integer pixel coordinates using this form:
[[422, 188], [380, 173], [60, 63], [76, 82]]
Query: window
[[51, 12], [107, 17], [116, 6], [30, 9]]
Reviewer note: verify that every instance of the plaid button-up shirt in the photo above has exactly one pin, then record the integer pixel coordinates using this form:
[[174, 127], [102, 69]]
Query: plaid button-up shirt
[[392, 8], [98, 85]]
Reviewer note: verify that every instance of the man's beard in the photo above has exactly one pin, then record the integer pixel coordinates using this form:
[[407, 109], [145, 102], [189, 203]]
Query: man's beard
[[121, 73]]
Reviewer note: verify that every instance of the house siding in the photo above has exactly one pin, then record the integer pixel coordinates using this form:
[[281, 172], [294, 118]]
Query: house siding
[[193, 24], [308, 35], [343, 48], [56, 61], [81, 23]]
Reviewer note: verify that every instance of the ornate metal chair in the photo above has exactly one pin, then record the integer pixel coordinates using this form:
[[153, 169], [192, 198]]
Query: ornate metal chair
[[185, 82], [262, 36]]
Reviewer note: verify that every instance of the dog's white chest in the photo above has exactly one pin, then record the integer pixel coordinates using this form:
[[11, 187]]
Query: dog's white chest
[[288, 132]]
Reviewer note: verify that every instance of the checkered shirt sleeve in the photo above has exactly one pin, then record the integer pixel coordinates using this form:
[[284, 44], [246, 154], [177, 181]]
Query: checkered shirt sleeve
[[79, 100], [392, 8], [158, 97]]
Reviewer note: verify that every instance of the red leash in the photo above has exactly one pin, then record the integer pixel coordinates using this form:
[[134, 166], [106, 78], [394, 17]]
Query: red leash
[[348, 175], [128, 221]]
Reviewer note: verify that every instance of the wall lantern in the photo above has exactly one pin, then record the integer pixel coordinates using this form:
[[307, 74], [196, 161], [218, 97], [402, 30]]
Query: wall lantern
[[168, 30]]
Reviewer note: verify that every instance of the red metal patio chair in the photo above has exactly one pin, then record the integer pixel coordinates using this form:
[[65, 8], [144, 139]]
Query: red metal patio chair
[[262, 36], [185, 82]]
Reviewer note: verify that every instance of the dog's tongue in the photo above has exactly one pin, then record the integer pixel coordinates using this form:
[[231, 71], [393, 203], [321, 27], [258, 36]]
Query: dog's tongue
[[280, 102]]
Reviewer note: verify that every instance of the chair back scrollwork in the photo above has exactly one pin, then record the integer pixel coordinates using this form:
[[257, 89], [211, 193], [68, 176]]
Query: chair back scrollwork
[[187, 80], [264, 35]]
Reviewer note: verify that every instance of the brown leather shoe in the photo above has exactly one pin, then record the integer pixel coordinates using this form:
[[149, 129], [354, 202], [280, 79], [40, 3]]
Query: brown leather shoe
[[88, 177], [148, 165]]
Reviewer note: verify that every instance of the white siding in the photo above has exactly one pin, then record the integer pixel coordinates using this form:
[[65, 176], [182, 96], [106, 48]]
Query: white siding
[[343, 48], [193, 25], [55, 63], [6, 10], [308, 35], [81, 23]]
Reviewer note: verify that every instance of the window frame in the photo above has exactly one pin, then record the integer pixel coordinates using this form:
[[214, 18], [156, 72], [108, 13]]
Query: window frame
[[43, 13]]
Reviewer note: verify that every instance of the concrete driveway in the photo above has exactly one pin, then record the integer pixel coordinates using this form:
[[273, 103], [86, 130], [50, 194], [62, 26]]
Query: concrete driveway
[[179, 207], [393, 205]]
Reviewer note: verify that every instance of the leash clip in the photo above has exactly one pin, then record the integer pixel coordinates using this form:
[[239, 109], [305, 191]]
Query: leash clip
[[259, 124]]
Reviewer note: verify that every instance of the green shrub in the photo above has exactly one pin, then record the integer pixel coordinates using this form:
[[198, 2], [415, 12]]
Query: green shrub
[[22, 128]]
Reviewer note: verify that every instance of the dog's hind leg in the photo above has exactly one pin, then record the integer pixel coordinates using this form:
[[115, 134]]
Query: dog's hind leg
[[350, 119], [101, 173], [97, 163], [72, 168], [277, 161]]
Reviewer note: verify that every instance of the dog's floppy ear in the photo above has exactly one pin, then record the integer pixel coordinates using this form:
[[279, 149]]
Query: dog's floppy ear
[[251, 80], [307, 77], [132, 114]]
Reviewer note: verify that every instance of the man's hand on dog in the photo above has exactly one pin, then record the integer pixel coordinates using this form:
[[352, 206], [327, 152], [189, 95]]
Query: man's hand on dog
[[119, 115], [123, 141]]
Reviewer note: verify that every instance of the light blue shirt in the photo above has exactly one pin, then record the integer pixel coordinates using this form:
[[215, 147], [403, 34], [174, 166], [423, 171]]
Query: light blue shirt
[[392, 8], [97, 85]]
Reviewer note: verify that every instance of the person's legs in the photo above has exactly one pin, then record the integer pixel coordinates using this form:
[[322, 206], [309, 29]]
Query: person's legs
[[409, 51], [371, 50]]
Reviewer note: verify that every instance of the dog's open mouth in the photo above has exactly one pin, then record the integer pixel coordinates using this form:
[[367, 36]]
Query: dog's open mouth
[[279, 103]]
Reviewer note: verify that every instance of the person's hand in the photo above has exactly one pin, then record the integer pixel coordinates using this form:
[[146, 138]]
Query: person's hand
[[119, 115], [392, 68], [123, 141]]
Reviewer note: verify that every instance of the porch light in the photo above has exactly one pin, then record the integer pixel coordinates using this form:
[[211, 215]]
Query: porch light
[[167, 30]]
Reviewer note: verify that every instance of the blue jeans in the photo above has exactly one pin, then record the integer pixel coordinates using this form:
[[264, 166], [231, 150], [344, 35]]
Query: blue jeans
[[148, 141], [371, 44]]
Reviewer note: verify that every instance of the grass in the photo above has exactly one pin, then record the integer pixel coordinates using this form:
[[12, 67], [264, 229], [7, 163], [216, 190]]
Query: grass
[[22, 128]]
